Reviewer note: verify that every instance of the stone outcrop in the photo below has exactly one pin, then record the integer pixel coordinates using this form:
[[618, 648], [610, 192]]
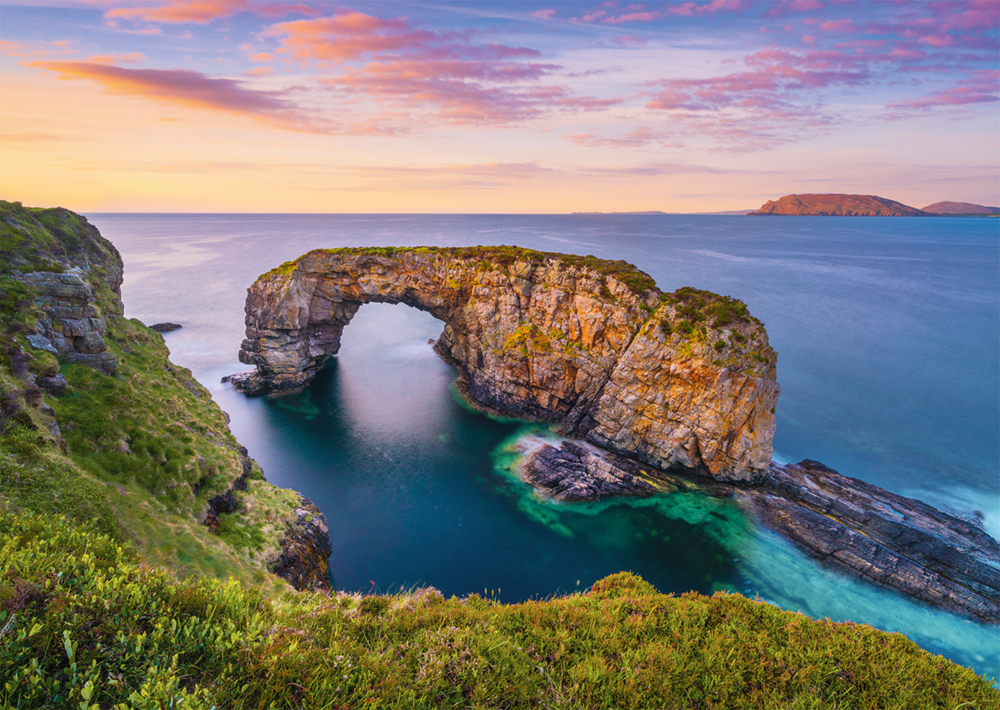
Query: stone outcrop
[[892, 541], [677, 381], [73, 327], [305, 550], [576, 472], [76, 275]]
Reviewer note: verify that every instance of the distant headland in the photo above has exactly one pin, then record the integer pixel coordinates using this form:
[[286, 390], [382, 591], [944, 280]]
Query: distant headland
[[865, 206]]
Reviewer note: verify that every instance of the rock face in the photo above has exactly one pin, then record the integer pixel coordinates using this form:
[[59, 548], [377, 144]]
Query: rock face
[[305, 550], [74, 271], [838, 205], [74, 327], [678, 381], [572, 472]]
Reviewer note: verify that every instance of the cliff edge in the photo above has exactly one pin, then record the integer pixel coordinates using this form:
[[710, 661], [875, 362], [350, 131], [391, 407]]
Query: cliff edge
[[97, 423]]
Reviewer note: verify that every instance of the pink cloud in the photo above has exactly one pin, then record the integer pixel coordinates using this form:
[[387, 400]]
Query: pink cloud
[[847, 26], [982, 87], [630, 41], [632, 17], [184, 88], [544, 14], [34, 50], [204, 11], [687, 9], [463, 92], [400, 66], [637, 138]]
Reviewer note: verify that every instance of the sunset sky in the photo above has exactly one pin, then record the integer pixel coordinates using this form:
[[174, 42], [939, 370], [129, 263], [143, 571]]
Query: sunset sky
[[532, 107]]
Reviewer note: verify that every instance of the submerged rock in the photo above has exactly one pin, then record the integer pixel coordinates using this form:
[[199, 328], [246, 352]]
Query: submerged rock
[[573, 472], [682, 381]]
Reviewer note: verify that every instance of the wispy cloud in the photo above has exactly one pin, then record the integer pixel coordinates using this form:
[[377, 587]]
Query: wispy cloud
[[205, 11], [184, 87], [639, 137], [982, 87], [402, 66]]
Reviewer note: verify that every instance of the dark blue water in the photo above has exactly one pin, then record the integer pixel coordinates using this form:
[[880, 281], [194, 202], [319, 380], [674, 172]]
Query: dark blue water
[[888, 333]]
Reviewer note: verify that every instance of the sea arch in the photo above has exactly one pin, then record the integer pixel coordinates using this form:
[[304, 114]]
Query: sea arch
[[677, 381]]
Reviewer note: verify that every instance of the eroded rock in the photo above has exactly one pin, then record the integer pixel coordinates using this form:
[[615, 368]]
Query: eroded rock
[[682, 381]]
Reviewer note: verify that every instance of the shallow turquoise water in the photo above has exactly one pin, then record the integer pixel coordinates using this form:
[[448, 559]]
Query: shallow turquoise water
[[889, 358]]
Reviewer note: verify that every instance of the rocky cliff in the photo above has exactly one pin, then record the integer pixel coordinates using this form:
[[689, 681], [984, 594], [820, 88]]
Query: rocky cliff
[[97, 423], [75, 276], [682, 381], [838, 205]]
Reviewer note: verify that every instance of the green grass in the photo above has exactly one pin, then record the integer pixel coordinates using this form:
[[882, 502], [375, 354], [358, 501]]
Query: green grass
[[84, 620], [501, 258]]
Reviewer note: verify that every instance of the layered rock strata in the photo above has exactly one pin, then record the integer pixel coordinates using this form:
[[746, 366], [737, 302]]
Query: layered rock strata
[[895, 542], [680, 381], [73, 328], [845, 523]]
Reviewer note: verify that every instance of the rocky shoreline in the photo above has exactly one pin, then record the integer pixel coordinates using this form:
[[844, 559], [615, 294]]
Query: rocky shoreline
[[844, 523]]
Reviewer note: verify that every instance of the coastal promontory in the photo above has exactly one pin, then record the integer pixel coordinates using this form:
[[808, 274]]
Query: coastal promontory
[[679, 381]]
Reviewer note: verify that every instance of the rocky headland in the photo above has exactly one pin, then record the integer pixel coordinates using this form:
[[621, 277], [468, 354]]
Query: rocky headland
[[148, 423], [649, 387], [855, 527]]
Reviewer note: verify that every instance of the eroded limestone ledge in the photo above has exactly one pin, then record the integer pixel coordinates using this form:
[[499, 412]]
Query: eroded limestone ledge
[[682, 381]]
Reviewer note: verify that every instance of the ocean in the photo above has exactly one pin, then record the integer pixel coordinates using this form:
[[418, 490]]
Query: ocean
[[888, 340]]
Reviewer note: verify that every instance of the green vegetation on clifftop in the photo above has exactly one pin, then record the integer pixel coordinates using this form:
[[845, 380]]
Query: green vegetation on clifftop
[[502, 258], [84, 621]]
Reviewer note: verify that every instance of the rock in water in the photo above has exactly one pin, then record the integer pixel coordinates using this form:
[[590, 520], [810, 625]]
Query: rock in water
[[682, 381], [165, 327], [882, 537]]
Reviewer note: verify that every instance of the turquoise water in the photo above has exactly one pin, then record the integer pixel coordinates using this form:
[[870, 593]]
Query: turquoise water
[[889, 359]]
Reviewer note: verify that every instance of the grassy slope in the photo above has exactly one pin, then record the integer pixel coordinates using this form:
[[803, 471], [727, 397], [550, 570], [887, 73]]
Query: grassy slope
[[143, 450], [84, 621], [122, 593]]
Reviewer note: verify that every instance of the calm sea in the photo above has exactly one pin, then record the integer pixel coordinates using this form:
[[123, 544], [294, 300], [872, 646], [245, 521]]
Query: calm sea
[[888, 334]]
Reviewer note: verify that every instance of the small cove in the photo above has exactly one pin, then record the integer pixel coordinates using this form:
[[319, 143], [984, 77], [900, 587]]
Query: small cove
[[417, 488]]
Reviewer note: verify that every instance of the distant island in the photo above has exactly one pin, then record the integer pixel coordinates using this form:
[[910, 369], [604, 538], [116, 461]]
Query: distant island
[[865, 206], [961, 208]]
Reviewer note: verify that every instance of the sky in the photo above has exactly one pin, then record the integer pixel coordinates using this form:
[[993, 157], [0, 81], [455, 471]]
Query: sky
[[495, 107]]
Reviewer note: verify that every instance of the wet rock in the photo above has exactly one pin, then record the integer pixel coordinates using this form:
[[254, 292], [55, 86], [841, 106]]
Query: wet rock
[[892, 541], [573, 472]]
